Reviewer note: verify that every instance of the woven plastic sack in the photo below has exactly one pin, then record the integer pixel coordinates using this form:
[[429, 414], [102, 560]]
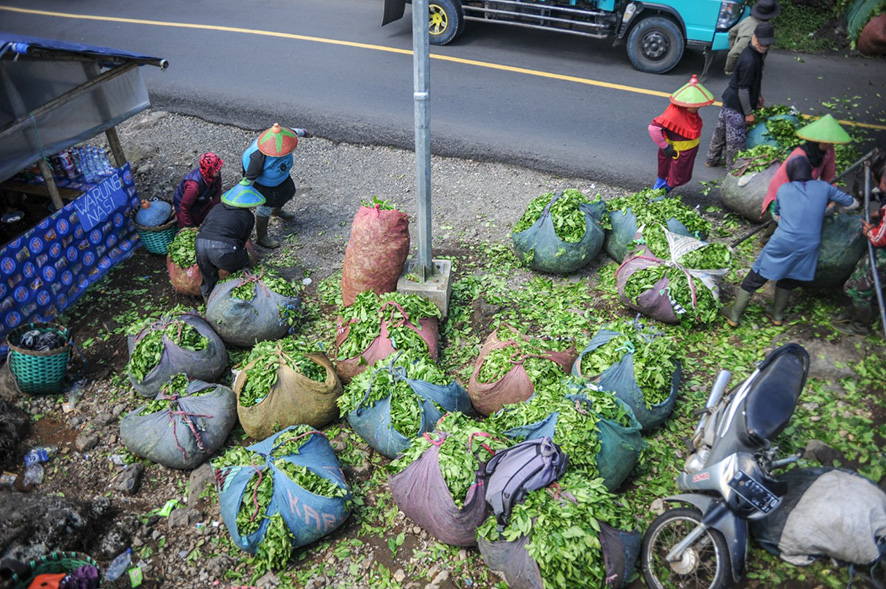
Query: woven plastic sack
[[620, 446], [308, 516], [546, 252], [842, 245], [515, 385], [826, 512], [759, 135], [622, 381], [745, 194], [243, 323], [373, 423], [376, 252], [207, 364], [382, 346], [421, 493], [619, 549], [294, 399], [620, 240], [188, 432]]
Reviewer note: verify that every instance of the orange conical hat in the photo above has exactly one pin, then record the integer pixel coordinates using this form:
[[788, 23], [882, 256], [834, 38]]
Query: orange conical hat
[[277, 141]]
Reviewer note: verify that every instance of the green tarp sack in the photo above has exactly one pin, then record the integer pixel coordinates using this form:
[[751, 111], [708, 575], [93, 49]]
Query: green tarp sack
[[620, 379], [620, 446], [745, 194], [544, 251], [759, 134], [620, 240], [842, 245]]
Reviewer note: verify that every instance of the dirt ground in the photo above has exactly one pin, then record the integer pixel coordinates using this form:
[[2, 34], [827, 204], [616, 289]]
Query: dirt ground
[[473, 204]]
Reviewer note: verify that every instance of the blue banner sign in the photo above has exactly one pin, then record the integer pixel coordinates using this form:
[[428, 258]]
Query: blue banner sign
[[44, 271]]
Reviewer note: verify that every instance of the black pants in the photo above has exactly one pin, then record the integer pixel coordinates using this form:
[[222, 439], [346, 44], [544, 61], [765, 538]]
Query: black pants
[[753, 281], [213, 256]]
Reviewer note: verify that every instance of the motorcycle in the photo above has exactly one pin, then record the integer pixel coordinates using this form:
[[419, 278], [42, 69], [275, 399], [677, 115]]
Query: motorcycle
[[726, 479]]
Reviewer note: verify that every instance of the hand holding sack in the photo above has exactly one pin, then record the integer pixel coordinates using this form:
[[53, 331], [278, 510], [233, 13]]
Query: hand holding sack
[[291, 481], [638, 365], [439, 482], [183, 426], [676, 284], [375, 326], [399, 398], [284, 384], [509, 367], [560, 233], [376, 251], [252, 307], [182, 343]]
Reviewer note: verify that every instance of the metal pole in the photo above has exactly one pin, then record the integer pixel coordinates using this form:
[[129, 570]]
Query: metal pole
[[421, 84], [872, 254]]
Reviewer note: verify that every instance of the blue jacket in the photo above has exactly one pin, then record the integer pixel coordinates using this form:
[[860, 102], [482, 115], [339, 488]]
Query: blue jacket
[[792, 251], [275, 171]]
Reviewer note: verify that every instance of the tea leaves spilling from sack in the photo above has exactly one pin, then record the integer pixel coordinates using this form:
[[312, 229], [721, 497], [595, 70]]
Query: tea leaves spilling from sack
[[758, 159], [540, 370], [460, 453], [271, 279], [176, 387], [181, 250], [654, 360], [709, 257], [380, 381], [149, 349], [561, 521], [267, 357], [656, 212], [696, 299], [363, 320], [568, 219], [382, 205], [290, 441], [309, 480]]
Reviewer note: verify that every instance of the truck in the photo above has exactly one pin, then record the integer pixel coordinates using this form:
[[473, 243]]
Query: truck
[[655, 33]]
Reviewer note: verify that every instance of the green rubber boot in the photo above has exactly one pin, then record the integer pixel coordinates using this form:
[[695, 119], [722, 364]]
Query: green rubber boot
[[280, 213], [261, 233], [733, 314], [860, 321], [779, 304]]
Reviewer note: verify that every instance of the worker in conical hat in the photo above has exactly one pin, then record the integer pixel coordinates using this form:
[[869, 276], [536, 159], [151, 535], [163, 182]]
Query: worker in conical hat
[[820, 137], [267, 164], [676, 131]]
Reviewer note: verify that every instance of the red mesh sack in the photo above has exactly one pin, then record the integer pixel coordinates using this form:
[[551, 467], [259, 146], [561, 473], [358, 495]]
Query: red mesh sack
[[376, 252]]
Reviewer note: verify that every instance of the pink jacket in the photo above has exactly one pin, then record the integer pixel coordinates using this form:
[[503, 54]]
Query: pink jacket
[[826, 171]]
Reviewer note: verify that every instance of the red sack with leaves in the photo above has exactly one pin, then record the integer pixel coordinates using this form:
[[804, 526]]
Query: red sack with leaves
[[376, 252]]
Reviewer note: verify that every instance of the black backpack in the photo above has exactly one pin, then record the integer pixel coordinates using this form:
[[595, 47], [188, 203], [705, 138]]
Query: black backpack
[[515, 471]]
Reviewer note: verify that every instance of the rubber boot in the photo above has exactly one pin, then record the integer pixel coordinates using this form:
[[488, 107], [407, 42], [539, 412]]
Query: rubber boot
[[733, 314], [261, 232], [779, 304], [280, 213], [860, 322], [843, 317]]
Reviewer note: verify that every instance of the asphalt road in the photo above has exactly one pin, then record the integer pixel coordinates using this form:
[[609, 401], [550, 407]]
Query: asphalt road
[[549, 101]]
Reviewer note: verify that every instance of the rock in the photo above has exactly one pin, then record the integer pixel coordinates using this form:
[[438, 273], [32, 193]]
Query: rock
[[441, 581], [130, 480], [201, 479], [399, 575], [86, 442], [824, 454], [657, 507], [183, 517], [14, 426], [830, 362], [268, 580]]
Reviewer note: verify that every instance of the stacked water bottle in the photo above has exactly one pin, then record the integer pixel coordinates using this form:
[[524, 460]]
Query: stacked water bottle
[[89, 161]]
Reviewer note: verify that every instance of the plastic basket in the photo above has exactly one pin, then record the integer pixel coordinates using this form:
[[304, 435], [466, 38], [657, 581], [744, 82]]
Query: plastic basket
[[157, 239], [54, 563], [36, 372]]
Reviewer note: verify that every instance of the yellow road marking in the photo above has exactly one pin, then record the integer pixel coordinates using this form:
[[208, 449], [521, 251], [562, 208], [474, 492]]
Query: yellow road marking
[[482, 64]]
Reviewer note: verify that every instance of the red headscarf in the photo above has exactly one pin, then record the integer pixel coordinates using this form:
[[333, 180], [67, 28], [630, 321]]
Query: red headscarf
[[679, 120], [210, 164]]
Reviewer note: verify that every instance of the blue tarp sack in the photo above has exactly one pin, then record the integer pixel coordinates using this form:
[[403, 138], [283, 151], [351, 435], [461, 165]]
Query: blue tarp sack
[[622, 381], [308, 516], [543, 250], [373, 423], [761, 134], [157, 213]]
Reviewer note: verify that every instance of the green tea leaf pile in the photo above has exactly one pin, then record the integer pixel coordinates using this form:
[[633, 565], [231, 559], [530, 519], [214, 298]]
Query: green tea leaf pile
[[181, 250], [177, 386], [275, 550], [658, 212], [561, 521], [290, 441], [760, 156], [576, 431], [568, 219], [654, 360], [271, 279], [708, 257], [149, 349], [267, 357], [364, 318], [540, 370], [380, 381], [705, 308], [457, 465], [383, 205]]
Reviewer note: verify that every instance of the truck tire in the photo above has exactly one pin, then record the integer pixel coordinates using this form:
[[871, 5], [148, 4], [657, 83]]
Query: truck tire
[[655, 45], [445, 20]]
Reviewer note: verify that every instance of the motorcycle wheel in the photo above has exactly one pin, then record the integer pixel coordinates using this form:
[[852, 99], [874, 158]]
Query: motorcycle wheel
[[704, 565]]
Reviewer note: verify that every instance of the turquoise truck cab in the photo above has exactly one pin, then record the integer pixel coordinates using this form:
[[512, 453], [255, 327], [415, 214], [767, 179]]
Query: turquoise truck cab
[[655, 34]]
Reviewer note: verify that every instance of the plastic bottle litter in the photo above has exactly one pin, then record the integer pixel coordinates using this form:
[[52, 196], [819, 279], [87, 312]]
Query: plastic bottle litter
[[33, 475], [39, 454], [119, 565], [7, 479], [73, 396]]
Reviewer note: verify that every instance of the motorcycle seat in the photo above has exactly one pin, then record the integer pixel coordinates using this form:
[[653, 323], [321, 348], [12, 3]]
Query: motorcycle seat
[[773, 394]]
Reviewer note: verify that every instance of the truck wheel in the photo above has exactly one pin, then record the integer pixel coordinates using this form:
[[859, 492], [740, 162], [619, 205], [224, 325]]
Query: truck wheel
[[446, 21], [655, 45]]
